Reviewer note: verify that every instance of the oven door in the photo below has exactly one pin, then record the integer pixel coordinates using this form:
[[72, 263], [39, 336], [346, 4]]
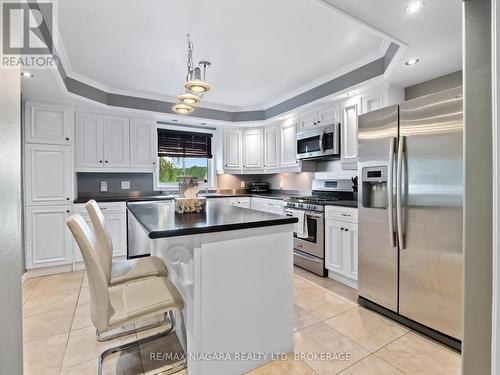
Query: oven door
[[314, 243]]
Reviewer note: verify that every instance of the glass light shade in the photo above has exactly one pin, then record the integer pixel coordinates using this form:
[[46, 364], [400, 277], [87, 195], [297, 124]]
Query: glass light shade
[[197, 86], [189, 98], [182, 108]]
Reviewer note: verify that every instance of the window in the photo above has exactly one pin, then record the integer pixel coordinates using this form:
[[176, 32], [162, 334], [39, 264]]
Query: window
[[183, 154]]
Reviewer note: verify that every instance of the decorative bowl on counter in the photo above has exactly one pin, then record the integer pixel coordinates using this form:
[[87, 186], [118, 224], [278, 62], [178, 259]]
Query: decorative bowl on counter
[[190, 205]]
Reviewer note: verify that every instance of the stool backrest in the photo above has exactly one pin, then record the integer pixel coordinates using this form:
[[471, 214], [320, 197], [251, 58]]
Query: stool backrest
[[98, 285], [104, 246]]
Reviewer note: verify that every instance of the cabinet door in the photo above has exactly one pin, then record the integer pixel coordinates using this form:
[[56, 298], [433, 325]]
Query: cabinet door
[[89, 140], [329, 114], [372, 102], [143, 148], [241, 202], [232, 149], [48, 124], [48, 239], [288, 149], [49, 174], [333, 245], [116, 141], [308, 119], [271, 147], [117, 225], [254, 139], [349, 133], [350, 249]]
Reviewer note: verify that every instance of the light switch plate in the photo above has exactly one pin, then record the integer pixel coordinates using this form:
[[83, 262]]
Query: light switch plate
[[125, 185], [104, 186], [281, 184], [242, 184]]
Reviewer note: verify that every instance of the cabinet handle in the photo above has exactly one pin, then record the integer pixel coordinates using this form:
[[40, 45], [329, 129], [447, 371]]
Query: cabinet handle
[[67, 138], [341, 228], [67, 199], [105, 161], [343, 214], [319, 121], [67, 211], [100, 161]]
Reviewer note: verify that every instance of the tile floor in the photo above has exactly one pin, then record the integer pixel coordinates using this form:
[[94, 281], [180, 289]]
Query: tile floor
[[59, 337]]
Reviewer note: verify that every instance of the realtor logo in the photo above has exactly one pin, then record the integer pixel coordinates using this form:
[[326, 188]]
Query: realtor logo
[[27, 34]]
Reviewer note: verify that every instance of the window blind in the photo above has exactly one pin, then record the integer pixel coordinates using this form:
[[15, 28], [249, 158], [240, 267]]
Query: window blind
[[176, 143]]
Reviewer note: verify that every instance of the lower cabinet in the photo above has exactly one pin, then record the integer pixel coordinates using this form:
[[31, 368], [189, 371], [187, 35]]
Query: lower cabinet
[[240, 202], [116, 222], [341, 244], [48, 239], [273, 206]]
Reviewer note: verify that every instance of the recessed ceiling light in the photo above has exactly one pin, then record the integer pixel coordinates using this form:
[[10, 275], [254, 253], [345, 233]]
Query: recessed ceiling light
[[27, 74], [412, 61], [414, 7]]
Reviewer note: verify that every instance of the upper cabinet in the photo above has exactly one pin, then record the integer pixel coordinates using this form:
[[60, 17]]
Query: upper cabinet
[[143, 148], [114, 143], [322, 115], [48, 124], [351, 109], [233, 149], [288, 137], [272, 147], [253, 149]]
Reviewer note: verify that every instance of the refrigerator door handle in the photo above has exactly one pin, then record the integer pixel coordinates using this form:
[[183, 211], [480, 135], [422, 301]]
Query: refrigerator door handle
[[399, 193], [390, 192]]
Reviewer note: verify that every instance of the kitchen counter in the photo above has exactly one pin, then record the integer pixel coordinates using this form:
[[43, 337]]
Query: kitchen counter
[[234, 270], [160, 220], [134, 197]]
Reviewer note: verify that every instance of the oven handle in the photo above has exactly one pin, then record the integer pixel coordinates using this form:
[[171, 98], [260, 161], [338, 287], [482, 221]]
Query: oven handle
[[306, 256], [308, 213]]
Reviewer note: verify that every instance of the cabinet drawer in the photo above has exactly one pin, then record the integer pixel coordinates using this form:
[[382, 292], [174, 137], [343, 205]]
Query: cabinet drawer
[[342, 213], [109, 207], [273, 206]]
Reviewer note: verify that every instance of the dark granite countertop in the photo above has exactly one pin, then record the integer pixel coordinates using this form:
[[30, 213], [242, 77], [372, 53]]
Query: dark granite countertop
[[102, 197], [160, 220]]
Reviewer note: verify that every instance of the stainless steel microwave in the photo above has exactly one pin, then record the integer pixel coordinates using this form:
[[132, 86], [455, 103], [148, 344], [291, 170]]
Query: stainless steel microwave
[[317, 143]]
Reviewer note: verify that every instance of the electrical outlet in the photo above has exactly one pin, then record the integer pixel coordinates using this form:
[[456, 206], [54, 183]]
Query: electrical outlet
[[282, 183], [104, 186], [242, 184], [125, 185]]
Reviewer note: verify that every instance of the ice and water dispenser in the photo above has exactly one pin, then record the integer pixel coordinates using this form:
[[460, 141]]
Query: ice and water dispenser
[[374, 180]]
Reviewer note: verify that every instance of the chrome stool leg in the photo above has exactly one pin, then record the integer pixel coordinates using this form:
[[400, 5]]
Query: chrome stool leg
[[176, 367], [102, 338]]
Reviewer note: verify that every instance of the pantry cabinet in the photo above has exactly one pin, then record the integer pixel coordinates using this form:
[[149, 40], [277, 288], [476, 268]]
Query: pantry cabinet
[[48, 239], [48, 174], [48, 124], [341, 244]]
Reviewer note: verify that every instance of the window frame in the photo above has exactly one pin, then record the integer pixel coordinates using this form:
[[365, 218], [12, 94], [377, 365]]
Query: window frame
[[212, 173]]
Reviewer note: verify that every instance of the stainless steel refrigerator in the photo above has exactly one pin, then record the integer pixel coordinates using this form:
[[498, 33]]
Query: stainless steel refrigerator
[[410, 211]]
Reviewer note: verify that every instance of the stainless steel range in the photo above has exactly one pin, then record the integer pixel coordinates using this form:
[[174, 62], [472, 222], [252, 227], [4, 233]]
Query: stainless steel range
[[309, 247]]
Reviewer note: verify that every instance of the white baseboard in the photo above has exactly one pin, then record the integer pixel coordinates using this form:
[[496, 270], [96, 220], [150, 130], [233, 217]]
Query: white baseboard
[[45, 271], [342, 279]]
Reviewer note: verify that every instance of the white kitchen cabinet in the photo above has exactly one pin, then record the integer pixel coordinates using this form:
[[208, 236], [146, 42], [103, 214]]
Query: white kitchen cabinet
[[271, 147], [240, 202], [288, 149], [273, 206], [341, 244], [233, 149], [372, 102], [349, 133], [48, 239], [308, 119], [48, 124], [143, 148], [253, 149], [48, 174], [89, 146], [116, 222], [324, 115], [116, 141]]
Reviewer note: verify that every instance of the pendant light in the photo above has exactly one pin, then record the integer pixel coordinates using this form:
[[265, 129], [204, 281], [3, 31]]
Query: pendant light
[[182, 108], [195, 84]]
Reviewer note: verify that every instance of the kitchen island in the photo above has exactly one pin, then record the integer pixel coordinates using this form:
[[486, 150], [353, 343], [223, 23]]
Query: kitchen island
[[234, 269]]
